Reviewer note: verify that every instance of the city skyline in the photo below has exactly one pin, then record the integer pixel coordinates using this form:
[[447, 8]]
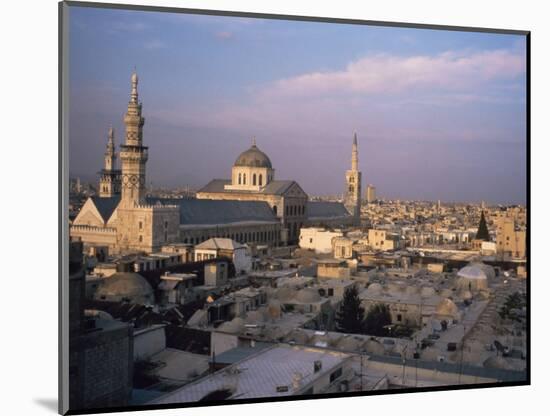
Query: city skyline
[[439, 115]]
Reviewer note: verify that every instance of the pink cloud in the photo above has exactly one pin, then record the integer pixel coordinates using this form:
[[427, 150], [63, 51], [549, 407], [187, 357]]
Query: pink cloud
[[393, 74]]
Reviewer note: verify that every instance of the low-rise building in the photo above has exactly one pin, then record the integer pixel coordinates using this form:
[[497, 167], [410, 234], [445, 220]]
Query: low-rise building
[[318, 239]]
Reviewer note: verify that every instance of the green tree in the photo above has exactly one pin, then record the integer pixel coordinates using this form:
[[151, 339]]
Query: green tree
[[377, 320], [351, 314], [482, 230]]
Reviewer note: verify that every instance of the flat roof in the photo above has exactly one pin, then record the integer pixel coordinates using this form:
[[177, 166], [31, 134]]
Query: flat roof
[[260, 374]]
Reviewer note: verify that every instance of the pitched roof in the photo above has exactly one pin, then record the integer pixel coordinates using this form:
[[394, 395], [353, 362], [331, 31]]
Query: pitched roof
[[105, 206], [325, 209], [220, 243], [272, 188], [208, 211]]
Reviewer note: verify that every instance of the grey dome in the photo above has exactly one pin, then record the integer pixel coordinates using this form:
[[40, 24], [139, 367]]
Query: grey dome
[[254, 158], [126, 286]]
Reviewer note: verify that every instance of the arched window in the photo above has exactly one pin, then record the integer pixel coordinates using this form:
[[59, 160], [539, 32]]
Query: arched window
[[254, 179], [239, 178], [244, 178], [275, 209], [260, 180]]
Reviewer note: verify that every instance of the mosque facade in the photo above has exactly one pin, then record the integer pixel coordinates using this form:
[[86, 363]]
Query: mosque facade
[[252, 207]]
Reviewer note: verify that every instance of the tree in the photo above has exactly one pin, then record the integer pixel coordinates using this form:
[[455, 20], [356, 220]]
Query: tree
[[482, 231], [377, 320], [351, 314]]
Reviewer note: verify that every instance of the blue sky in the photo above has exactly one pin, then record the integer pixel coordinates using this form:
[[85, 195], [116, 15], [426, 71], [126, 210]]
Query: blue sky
[[438, 114]]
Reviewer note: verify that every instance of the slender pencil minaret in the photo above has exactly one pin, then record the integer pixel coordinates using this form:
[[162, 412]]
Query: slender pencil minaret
[[109, 182], [352, 199]]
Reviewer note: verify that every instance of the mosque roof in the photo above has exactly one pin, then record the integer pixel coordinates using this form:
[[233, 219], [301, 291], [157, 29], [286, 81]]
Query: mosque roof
[[220, 243], [275, 187], [253, 157], [326, 209], [106, 206], [208, 211]]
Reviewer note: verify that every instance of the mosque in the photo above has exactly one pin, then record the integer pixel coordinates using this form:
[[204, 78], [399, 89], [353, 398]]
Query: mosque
[[251, 207]]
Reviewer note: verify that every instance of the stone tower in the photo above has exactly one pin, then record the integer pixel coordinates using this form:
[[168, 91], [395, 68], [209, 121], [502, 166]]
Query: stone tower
[[133, 154], [352, 199], [109, 182], [141, 226]]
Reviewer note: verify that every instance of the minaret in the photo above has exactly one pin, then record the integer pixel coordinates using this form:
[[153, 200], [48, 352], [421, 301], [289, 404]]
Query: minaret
[[352, 199], [132, 153], [109, 183]]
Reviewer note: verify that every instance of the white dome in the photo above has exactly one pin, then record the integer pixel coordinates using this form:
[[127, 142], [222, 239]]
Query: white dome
[[308, 295], [374, 288], [427, 291], [472, 272], [446, 307], [233, 327]]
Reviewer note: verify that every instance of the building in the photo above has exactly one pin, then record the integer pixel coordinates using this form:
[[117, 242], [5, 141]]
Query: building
[[352, 199], [371, 193], [383, 240], [253, 179], [225, 247], [510, 239], [279, 371], [100, 350], [318, 239], [252, 207]]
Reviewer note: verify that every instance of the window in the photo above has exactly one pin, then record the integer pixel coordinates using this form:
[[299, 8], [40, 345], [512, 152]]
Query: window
[[275, 209], [260, 180], [331, 291], [254, 179], [239, 178], [399, 318], [141, 225], [311, 240], [165, 224], [244, 178], [140, 238], [335, 374]]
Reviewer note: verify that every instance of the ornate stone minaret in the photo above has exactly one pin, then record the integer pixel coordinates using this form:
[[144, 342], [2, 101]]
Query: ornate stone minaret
[[352, 199], [109, 182], [132, 153]]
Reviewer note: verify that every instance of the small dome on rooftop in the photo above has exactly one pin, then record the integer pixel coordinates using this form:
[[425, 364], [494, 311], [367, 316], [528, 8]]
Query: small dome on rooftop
[[126, 286], [308, 295]]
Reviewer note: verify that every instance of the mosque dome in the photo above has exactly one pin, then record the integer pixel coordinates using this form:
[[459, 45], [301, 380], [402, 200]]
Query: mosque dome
[[298, 336], [374, 288], [374, 347], [234, 326], [349, 343], [255, 317], [474, 276], [447, 308], [126, 286], [497, 362], [284, 293], [308, 295], [253, 158], [427, 291]]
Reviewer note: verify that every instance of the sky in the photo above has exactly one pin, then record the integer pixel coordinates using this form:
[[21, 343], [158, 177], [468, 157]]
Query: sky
[[439, 115]]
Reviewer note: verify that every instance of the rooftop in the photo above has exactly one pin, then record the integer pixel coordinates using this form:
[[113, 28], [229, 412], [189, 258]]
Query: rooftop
[[260, 374]]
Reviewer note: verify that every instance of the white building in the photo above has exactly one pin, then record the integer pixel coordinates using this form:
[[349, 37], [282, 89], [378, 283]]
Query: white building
[[225, 247], [318, 239]]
